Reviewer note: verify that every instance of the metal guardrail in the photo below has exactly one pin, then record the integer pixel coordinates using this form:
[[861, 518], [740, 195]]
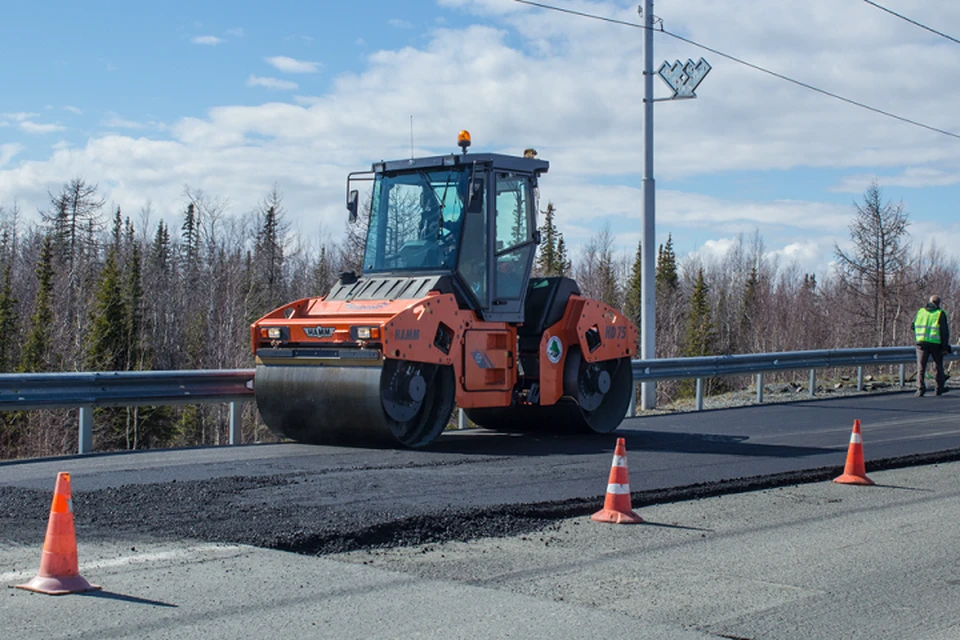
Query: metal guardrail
[[31, 391], [86, 390], [757, 363]]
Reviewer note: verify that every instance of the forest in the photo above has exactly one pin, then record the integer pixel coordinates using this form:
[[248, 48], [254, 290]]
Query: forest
[[87, 288]]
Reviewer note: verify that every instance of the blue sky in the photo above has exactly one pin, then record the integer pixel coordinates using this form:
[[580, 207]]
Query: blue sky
[[233, 97]]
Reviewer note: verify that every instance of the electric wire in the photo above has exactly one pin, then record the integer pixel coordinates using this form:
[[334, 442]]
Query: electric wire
[[911, 21], [780, 76]]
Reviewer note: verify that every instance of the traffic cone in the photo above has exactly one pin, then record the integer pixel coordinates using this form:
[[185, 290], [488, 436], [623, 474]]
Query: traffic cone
[[616, 505], [855, 472], [59, 573]]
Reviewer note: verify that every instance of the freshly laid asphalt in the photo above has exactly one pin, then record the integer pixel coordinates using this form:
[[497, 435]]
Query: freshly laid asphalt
[[470, 484], [817, 560]]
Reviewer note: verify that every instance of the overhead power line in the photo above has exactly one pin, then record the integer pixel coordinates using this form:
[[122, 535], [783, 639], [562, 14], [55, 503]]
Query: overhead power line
[[746, 64], [911, 21]]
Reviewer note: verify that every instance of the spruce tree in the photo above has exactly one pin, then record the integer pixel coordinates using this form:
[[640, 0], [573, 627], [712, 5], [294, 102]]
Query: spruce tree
[[547, 258], [106, 344], [519, 229], [748, 312], [133, 307], [633, 298], [323, 273], [700, 336], [160, 250], [8, 323], [35, 357], [563, 266], [667, 279]]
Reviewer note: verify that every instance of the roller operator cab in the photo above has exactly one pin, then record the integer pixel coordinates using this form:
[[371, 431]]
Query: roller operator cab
[[445, 314]]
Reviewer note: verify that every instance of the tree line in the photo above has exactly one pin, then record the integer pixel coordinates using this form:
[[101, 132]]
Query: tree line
[[92, 288]]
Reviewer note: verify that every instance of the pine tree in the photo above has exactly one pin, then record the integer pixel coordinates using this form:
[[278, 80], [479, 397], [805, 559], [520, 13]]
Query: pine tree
[[35, 357]]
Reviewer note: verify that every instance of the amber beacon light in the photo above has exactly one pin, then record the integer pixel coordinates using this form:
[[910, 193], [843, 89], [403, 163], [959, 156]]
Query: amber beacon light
[[463, 140]]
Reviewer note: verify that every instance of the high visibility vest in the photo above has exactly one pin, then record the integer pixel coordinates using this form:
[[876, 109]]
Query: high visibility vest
[[927, 326]]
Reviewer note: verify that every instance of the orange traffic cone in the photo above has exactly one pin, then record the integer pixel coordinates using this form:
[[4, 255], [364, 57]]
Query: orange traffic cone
[[59, 573], [855, 472], [616, 506]]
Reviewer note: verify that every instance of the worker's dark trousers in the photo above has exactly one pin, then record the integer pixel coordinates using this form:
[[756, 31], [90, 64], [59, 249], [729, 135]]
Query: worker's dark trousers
[[925, 350]]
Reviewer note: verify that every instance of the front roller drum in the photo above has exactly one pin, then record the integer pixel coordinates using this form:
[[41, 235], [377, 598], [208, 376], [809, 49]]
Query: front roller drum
[[596, 398], [404, 403]]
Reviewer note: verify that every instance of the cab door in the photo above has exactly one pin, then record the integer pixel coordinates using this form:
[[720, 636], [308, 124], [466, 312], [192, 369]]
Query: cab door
[[514, 245]]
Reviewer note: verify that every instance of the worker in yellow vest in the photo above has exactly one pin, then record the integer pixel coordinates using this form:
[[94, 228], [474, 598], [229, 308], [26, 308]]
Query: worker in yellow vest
[[933, 340]]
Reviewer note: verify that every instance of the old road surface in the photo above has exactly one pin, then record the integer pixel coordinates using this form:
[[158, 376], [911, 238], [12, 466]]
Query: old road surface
[[487, 535]]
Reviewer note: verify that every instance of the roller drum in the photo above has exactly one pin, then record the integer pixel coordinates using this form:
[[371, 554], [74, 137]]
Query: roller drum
[[345, 405], [323, 405]]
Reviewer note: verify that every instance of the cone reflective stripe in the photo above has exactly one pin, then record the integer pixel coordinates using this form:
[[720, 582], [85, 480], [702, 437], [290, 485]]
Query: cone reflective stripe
[[616, 505], [855, 470], [59, 571]]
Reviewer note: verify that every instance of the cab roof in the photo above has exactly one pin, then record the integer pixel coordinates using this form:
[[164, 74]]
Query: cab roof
[[496, 160]]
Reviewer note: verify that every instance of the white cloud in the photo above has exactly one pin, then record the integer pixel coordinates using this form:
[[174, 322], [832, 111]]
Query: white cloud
[[207, 40], [32, 127], [291, 65], [397, 23], [8, 151], [271, 83], [113, 120], [912, 177], [19, 116], [74, 110], [236, 32]]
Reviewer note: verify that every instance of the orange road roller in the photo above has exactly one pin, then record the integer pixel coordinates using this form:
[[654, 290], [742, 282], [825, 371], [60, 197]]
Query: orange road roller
[[445, 314]]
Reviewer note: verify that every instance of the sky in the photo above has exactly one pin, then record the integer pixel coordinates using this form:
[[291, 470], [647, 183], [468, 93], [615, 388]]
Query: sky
[[231, 98]]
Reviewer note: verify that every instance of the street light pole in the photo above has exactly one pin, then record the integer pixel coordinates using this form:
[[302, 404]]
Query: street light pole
[[648, 296]]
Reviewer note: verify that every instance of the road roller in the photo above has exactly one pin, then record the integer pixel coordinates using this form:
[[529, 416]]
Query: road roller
[[445, 313]]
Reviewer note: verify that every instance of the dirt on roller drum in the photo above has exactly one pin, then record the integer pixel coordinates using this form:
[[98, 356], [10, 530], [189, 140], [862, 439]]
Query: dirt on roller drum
[[221, 510]]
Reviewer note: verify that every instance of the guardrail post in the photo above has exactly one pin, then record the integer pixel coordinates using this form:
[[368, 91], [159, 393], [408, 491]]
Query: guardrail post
[[85, 439], [461, 419], [236, 423], [699, 394], [760, 388], [632, 409], [902, 375], [859, 378], [813, 382]]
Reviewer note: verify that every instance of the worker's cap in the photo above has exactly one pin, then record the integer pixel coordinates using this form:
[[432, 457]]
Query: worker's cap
[[934, 299]]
